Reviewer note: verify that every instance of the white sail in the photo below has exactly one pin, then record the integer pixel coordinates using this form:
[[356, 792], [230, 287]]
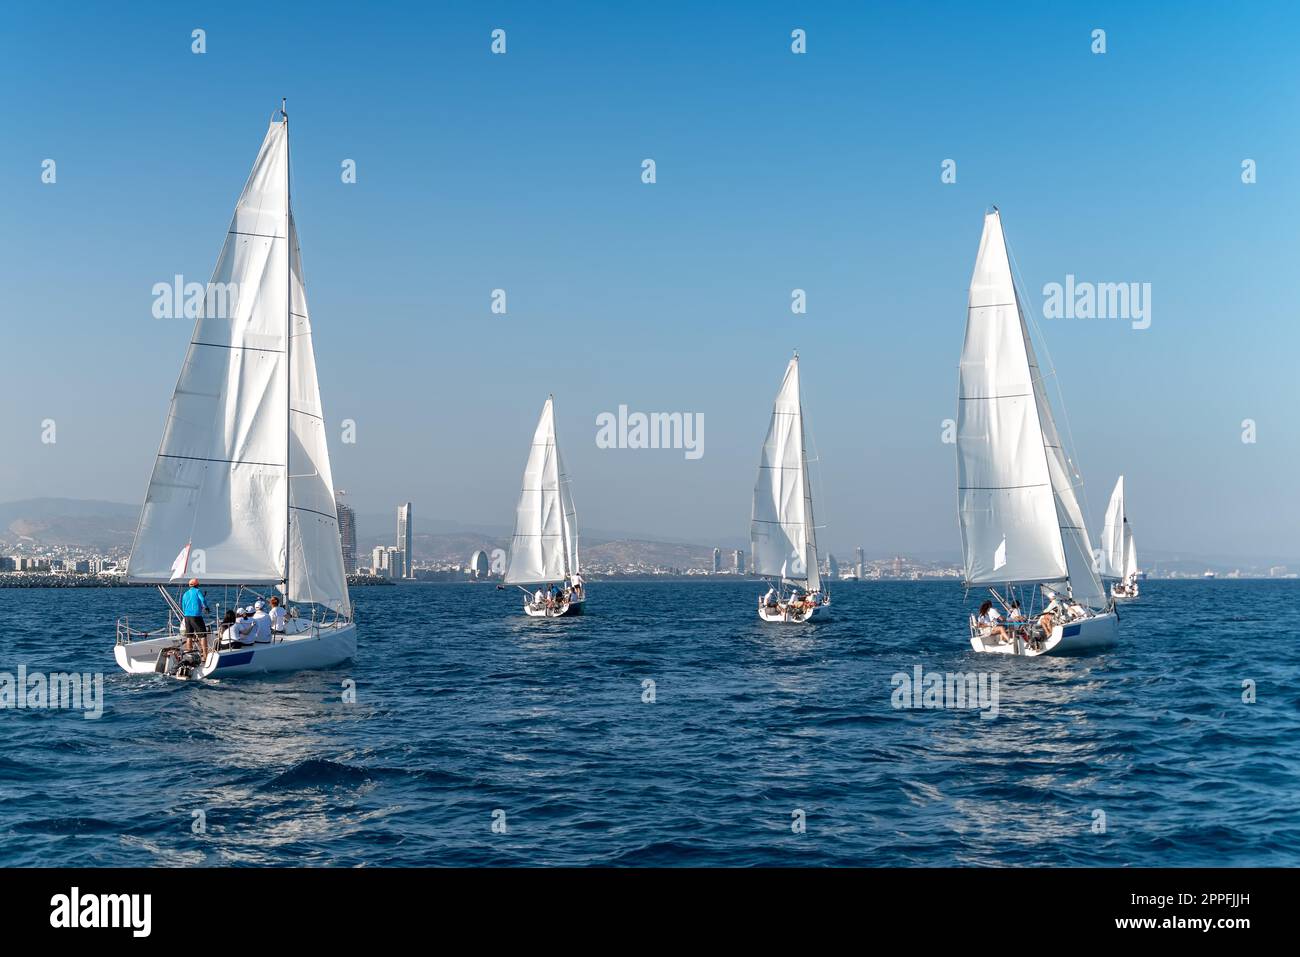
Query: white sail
[[243, 476], [1084, 585], [544, 547], [1020, 518], [1113, 534], [568, 514], [1005, 499], [782, 532], [316, 571], [1130, 554], [219, 479]]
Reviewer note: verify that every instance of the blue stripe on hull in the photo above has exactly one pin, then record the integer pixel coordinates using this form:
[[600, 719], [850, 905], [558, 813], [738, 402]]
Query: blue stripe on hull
[[231, 661]]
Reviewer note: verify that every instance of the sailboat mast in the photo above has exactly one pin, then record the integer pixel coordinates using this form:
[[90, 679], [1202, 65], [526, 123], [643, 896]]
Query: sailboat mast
[[288, 364]]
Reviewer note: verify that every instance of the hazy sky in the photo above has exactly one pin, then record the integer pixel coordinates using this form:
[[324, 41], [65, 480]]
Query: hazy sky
[[775, 171]]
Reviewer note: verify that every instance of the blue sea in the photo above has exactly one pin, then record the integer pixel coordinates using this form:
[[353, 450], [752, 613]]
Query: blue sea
[[480, 737]]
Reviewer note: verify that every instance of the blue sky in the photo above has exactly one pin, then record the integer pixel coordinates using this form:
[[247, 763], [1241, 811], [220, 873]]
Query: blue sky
[[775, 172]]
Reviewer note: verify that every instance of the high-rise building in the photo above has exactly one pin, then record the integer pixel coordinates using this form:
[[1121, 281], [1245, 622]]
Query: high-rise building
[[717, 560], [738, 561], [347, 534], [406, 559], [393, 565], [862, 563], [832, 567]]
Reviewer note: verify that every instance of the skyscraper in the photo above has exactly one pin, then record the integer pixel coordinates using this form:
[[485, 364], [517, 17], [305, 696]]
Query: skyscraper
[[404, 542], [738, 561], [347, 534], [717, 560], [862, 563]]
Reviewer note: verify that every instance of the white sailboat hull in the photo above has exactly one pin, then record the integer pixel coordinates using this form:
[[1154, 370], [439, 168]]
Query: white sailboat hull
[[785, 616], [566, 610], [312, 649], [1083, 637]]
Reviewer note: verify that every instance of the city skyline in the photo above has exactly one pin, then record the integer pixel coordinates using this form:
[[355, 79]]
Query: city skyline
[[833, 190]]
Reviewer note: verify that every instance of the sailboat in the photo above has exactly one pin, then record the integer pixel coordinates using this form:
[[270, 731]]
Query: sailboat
[[1022, 527], [1118, 553], [544, 548], [782, 534], [242, 482]]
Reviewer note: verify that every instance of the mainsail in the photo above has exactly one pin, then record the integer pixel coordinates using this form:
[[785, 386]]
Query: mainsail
[[545, 544], [1020, 518], [1114, 535], [782, 533], [242, 474]]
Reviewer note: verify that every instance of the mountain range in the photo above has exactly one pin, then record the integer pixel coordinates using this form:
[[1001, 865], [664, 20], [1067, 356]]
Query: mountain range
[[107, 527]]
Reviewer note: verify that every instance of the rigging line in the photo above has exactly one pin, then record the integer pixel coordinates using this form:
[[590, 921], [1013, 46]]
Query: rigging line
[[197, 458], [303, 508], [218, 345], [999, 488]]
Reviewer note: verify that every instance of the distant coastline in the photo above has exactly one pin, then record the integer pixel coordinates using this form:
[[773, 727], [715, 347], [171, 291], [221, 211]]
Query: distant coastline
[[48, 580], [42, 580]]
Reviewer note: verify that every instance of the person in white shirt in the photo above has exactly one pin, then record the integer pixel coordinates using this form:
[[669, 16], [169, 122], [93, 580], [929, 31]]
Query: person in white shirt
[[538, 598], [770, 598], [261, 624], [241, 632], [279, 616], [577, 583], [988, 618]]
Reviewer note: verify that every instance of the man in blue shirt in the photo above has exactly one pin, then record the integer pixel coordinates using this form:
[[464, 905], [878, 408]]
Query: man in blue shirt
[[193, 605]]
